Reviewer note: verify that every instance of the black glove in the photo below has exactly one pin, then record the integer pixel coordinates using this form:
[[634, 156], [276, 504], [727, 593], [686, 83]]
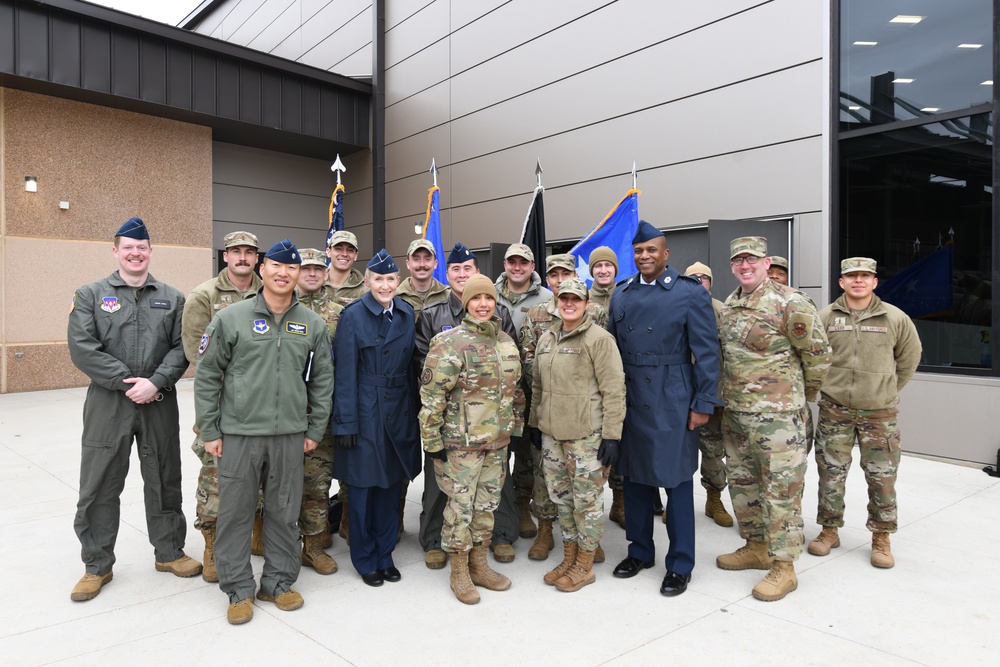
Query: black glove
[[345, 441], [536, 437], [440, 455], [607, 453]]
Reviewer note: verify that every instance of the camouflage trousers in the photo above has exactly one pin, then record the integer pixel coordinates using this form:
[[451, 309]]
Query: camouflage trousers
[[472, 480], [207, 492], [713, 452], [529, 479], [766, 457], [877, 435], [575, 480], [317, 469]]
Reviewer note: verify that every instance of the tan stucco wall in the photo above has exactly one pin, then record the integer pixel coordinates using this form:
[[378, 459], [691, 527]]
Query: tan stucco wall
[[109, 165]]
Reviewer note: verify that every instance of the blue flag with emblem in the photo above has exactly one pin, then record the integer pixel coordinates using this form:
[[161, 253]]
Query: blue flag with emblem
[[336, 214], [924, 288], [432, 232], [615, 231]]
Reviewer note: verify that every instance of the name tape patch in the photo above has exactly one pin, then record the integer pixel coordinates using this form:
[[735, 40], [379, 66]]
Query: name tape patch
[[297, 328], [159, 303]]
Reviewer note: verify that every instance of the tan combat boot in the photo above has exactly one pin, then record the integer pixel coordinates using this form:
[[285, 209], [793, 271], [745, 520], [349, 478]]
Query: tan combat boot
[[345, 529], [617, 513], [290, 600], [751, 556], [89, 586], [240, 612], [598, 554], [185, 566], [435, 559], [461, 583], [777, 583], [569, 556], [314, 556], [881, 551], [826, 540], [580, 574], [482, 574], [525, 523], [503, 553], [257, 536], [543, 541], [208, 570], [716, 510]]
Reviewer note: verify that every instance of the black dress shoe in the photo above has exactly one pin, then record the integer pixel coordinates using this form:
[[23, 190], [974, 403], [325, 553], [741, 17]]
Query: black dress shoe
[[674, 584], [373, 578], [630, 567], [391, 574]]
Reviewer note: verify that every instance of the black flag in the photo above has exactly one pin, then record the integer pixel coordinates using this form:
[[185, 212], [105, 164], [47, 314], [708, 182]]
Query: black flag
[[533, 234]]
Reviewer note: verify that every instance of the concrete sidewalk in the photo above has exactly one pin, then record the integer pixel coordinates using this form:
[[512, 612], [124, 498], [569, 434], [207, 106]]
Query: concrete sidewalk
[[940, 605]]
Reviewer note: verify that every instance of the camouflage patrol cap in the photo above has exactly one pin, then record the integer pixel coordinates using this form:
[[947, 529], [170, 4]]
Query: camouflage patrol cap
[[342, 236], [417, 244], [751, 245], [853, 264], [519, 250], [779, 261], [233, 239], [564, 261], [313, 257], [573, 286], [697, 268]]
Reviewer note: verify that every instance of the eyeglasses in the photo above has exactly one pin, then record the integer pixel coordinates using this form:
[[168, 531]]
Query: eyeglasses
[[751, 260], [702, 277]]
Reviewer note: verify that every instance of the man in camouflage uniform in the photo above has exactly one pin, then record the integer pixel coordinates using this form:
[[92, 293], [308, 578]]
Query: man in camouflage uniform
[[779, 270], [875, 353], [536, 321], [236, 282], [776, 356], [713, 451], [318, 464], [344, 285], [421, 288], [472, 404], [519, 288]]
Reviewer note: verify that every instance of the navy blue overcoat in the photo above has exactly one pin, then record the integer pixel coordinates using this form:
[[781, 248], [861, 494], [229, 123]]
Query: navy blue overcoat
[[374, 395], [660, 329]]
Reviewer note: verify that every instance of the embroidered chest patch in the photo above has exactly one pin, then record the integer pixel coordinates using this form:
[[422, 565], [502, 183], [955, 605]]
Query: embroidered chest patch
[[297, 328], [260, 326], [109, 304]]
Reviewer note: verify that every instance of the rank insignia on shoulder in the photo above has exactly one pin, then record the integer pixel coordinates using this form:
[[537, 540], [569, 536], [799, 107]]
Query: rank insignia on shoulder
[[426, 376], [260, 326], [297, 328], [203, 344], [109, 304]]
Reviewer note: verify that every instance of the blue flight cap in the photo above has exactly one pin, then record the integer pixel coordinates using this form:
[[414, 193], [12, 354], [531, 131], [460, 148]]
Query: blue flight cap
[[134, 228], [382, 263], [284, 252], [460, 254], [645, 232]]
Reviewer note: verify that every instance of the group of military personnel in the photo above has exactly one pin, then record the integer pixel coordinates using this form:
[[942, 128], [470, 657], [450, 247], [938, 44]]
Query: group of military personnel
[[366, 371]]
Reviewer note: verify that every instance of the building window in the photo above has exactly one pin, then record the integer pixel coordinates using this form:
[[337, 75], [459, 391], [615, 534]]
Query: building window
[[916, 166]]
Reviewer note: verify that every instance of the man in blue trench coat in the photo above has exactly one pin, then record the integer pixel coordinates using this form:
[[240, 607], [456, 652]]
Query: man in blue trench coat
[[665, 328], [375, 417]]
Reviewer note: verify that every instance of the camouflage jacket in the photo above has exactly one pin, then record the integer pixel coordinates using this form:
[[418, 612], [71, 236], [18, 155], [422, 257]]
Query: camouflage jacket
[[537, 321], [602, 295], [353, 288], [321, 304], [204, 302], [520, 304], [437, 293], [874, 356], [776, 353], [470, 389], [579, 386]]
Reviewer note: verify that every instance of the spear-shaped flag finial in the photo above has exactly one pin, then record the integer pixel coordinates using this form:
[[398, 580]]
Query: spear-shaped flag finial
[[633, 176], [538, 171], [338, 168], [434, 171]]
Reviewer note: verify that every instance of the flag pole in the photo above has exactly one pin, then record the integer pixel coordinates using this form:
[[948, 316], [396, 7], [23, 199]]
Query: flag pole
[[633, 176]]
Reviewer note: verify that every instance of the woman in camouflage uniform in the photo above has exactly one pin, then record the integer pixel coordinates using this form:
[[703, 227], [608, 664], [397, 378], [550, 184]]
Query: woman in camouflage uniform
[[472, 405], [578, 403]]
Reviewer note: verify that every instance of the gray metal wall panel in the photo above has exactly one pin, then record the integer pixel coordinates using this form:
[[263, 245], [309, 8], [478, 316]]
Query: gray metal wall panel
[[398, 11], [153, 72], [249, 93], [319, 26], [416, 74], [96, 57], [291, 104], [358, 64], [810, 252], [413, 156], [228, 84], [270, 99], [204, 83], [179, 81], [65, 51], [33, 47], [427, 109], [234, 18], [341, 41], [426, 27], [211, 24], [467, 11], [278, 30], [258, 20], [269, 170], [6, 38], [124, 64]]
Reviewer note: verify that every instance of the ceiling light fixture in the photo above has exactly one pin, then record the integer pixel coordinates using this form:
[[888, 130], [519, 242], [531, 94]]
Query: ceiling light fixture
[[970, 46], [988, 82], [865, 43], [902, 80], [909, 20], [931, 109]]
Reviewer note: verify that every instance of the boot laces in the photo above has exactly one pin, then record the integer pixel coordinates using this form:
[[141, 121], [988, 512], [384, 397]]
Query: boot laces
[[880, 543]]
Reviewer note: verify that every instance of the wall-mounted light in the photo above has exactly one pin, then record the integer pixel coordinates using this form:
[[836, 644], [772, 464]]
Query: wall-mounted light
[[64, 206], [31, 184], [418, 229]]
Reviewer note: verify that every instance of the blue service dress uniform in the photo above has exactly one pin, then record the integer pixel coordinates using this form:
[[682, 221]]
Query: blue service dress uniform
[[375, 399], [660, 329]]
